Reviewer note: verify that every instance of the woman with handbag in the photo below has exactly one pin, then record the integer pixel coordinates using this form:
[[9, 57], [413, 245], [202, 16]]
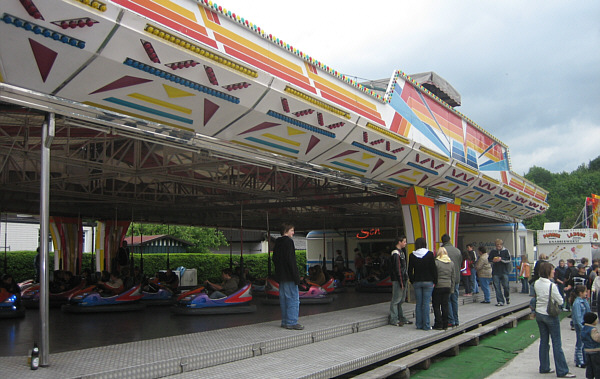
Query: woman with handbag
[[547, 295]]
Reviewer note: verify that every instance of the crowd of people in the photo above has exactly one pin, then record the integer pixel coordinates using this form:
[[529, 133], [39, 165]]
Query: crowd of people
[[572, 288], [437, 277]]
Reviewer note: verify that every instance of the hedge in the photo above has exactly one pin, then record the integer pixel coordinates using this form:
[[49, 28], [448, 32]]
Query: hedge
[[209, 266]]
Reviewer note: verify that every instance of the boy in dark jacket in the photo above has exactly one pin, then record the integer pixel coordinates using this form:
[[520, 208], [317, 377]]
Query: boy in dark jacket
[[286, 273], [399, 276]]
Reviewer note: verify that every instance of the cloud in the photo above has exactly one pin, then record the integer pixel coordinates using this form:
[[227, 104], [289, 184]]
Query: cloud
[[562, 147], [527, 71]]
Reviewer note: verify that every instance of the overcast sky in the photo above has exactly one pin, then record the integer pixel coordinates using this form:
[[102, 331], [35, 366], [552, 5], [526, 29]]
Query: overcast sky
[[527, 71]]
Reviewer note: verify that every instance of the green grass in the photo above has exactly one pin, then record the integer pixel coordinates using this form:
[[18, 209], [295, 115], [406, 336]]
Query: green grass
[[493, 352]]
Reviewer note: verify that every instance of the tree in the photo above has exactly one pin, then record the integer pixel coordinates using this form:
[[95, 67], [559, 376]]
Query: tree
[[566, 193], [204, 239]]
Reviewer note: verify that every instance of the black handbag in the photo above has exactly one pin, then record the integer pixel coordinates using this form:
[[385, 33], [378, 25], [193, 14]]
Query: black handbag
[[553, 309]]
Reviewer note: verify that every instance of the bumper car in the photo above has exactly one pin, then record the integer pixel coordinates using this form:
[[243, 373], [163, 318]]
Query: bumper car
[[163, 296], [10, 306], [197, 302], [90, 300], [30, 297], [26, 284], [383, 285], [314, 295], [259, 285], [329, 286]]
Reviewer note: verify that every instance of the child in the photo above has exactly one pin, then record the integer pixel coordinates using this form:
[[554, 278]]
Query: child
[[524, 274], [580, 308], [465, 273], [591, 345]]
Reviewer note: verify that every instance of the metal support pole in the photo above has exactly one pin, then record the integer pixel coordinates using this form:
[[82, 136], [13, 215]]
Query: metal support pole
[[47, 137], [5, 240], [516, 247], [268, 247], [242, 273]]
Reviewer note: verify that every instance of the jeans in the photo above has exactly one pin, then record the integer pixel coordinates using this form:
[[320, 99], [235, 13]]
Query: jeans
[[474, 284], [561, 289], [466, 282], [398, 297], [525, 285], [440, 307], [453, 307], [423, 292], [501, 280], [289, 301], [579, 358], [550, 328], [485, 286], [592, 365]]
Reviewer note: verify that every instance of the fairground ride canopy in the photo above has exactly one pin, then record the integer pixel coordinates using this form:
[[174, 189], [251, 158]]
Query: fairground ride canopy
[[198, 76]]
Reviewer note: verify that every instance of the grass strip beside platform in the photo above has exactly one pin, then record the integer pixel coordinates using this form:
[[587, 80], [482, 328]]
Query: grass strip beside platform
[[493, 352]]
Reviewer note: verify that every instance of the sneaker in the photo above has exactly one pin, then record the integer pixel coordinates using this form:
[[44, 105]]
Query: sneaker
[[500, 304], [507, 301], [580, 365], [485, 302], [295, 327], [568, 375], [408, 322]]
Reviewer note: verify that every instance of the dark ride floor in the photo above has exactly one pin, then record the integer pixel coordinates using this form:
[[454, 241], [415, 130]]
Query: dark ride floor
[[70, 332]]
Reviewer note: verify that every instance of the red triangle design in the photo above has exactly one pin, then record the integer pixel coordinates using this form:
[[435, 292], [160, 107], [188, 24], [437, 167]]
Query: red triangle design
[[379, 163], [398, 172], [312, 143], [347, 152], [261, 126], [210, 109], [125, 81], [44, 57]]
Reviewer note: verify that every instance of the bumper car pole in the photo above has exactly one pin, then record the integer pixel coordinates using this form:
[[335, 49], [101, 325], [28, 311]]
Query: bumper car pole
[[47, 137]]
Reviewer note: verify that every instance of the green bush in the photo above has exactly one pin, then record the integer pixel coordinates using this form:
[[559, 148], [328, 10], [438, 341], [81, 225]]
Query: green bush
[[20, 264], [209, 266]]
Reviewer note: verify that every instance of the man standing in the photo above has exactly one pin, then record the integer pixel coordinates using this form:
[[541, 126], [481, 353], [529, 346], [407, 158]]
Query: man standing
[[501, 266], [286, 273], [473, 259], [123, 257], [456, 258], [399, 275]]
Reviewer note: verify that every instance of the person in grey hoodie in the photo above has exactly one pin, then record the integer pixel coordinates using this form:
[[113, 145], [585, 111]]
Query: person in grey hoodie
[[484, 273], [423, 275], [446, 279], [456, 257]]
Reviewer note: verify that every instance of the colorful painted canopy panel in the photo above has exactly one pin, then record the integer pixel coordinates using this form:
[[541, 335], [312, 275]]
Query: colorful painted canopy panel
[[198, 69]]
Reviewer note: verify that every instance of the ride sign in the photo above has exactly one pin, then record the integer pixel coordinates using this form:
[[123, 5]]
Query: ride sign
[[368, 233]]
